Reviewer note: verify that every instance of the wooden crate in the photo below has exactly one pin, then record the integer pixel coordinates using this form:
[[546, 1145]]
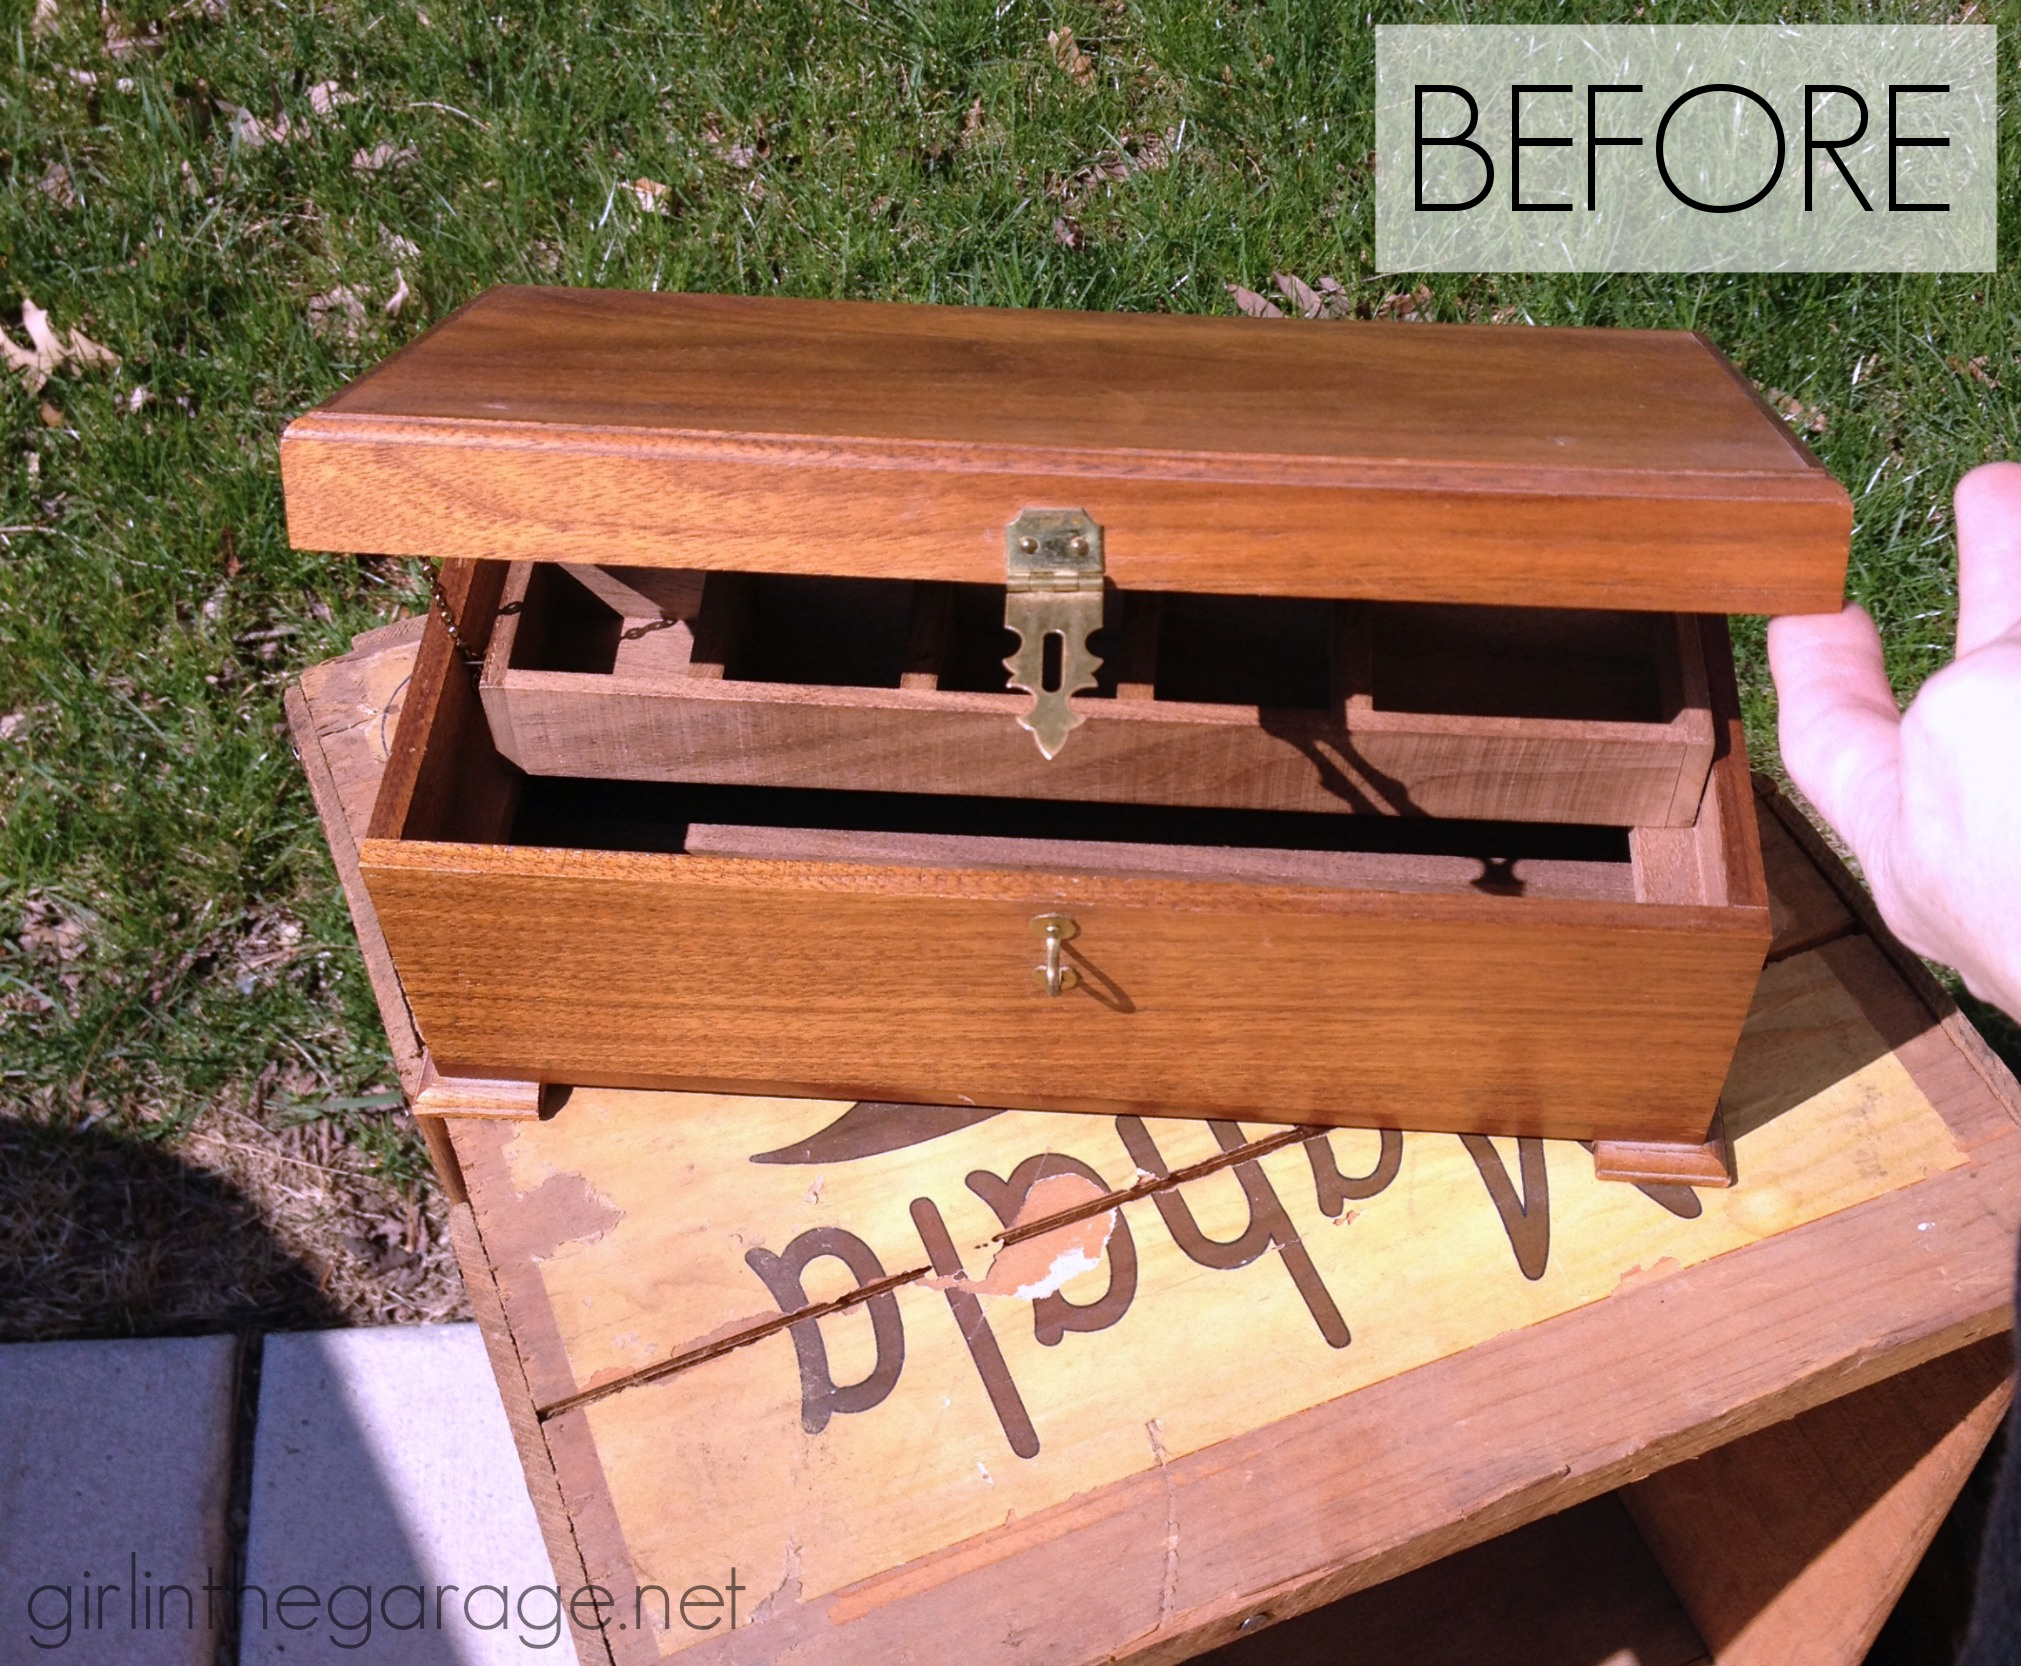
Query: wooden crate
[[786, 1337]]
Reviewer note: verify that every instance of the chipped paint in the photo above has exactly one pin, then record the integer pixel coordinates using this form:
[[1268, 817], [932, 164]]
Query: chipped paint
[[1035, 1267]]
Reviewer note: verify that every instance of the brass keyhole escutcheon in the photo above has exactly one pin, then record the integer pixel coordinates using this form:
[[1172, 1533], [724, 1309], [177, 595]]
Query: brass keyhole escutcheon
[[1054, 977]]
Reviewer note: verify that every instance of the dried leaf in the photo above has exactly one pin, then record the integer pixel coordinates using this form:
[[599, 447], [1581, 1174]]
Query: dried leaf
[[1973, 369], [399, 297], [649, 194], [48, 353], [57, 186], [1407, 307], [339, 313], [120, 44], [1300, 294], [12, 724], [49, 415], [1067, 233], [383, 156], [251, 133], [54, 932], [1252, 305], [137, 399], [86, 354], [1806, 419], [401, 247], [325, 97], [46, 20], [972, 123], [1073, 62]]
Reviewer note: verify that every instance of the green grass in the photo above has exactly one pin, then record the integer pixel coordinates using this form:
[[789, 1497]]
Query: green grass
[[169, 926]]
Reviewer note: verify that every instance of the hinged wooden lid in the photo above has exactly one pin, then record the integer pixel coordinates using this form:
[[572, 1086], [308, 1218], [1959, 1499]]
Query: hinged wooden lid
[[1431, 462]]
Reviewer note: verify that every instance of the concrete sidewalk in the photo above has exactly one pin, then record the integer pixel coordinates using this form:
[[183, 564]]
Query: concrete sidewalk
[[382, 1513]]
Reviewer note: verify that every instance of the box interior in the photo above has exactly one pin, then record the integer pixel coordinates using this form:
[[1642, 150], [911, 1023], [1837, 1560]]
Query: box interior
[[1531, 660], [1267, 652], [1277, 847]]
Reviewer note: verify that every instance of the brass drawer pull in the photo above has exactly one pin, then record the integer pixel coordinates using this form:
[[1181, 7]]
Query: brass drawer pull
[[1053, 977]]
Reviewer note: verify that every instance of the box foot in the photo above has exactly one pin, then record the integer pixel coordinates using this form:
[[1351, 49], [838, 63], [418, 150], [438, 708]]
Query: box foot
[[442, 1095], [1658, 1163]]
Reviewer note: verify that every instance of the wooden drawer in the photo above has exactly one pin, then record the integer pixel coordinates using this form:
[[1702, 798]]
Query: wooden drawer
[[1403, 972], [1277, 703]]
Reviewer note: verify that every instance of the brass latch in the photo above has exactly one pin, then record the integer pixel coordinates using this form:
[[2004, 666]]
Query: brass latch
[[1053, 600]]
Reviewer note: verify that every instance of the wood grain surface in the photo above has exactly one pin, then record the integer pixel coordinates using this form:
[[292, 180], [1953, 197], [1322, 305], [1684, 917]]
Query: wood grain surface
[[1849, 1084], [1792, 1545], [1579, 468], [343, 716], [644, 718], [1583, 1020], [1198, 992], [830, 1369], [1577, 1589]]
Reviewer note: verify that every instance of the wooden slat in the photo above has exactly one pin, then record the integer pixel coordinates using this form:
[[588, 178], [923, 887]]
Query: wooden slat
[[1803, 908], [1994, 1076], [1580, 468], [1577, 1589], [1791, 1546], [342, 716], [535, 1458], [444, 778], [1530, 877], [1127, 750]]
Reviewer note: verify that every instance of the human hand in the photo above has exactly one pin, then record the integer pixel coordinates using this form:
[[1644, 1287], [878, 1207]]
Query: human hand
[[1928, 799]]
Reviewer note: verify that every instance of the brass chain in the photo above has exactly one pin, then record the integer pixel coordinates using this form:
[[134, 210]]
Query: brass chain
[[472, 661]]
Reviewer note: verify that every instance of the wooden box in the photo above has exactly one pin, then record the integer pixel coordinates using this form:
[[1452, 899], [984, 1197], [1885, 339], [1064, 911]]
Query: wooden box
[[1411, 793]]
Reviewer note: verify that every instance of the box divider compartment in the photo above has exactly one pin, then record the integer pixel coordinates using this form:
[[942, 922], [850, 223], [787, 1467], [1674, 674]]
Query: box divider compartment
[[899, 687]]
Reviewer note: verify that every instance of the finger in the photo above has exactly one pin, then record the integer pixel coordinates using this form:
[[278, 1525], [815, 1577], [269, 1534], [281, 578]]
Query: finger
[[1839, 726], [1989, 554]]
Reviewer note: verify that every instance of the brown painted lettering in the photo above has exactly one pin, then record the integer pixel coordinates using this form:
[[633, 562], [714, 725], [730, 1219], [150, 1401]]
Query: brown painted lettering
[[1333, 1189], [975, 1330], [1527, 1220], [1269, 1226], [820, 1395]]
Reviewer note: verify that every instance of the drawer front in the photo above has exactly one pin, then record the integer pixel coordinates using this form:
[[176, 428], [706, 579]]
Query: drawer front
[[1270, 1003]]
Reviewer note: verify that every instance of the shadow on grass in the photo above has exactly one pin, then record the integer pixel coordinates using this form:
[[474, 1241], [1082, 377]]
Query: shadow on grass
[[102, 1236]]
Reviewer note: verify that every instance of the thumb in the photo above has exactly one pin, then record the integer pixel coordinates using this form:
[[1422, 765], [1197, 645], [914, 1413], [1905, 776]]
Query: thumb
[[1839, 726]]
